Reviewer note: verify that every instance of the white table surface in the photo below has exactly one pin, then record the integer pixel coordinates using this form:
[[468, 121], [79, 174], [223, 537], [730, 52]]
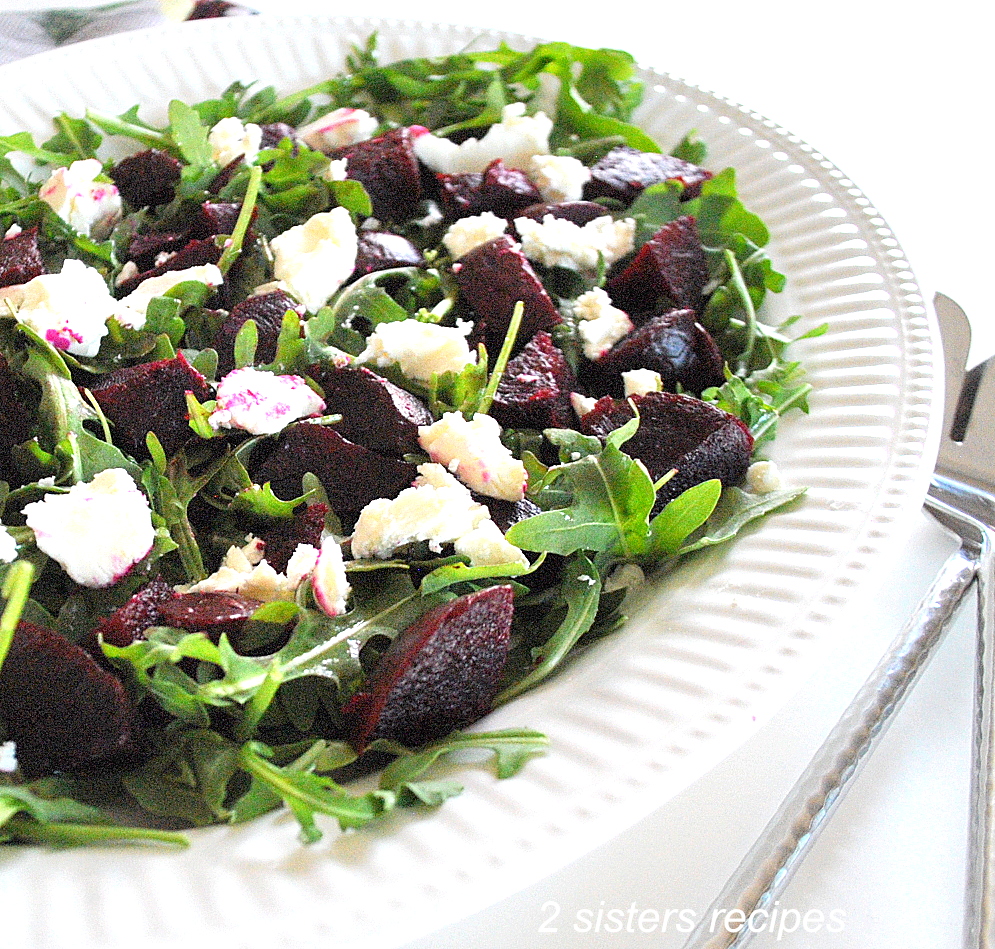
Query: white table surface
[[894, 94]]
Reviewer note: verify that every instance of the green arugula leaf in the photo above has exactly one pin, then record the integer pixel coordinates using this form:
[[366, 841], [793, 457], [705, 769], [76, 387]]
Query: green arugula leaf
[[735, 511]]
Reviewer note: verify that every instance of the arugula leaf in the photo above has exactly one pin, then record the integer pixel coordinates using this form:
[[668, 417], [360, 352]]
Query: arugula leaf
[[189, 134], [736, 509]]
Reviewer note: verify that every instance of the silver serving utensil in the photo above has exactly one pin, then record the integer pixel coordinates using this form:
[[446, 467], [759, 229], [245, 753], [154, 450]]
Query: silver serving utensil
[[964, 509]]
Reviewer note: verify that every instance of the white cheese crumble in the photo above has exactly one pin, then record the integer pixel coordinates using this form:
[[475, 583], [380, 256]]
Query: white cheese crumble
[[437, 509], [245, 571], [261, 402], [8, 546], [88, 206], [8, 757], [559, 177], [328, 580], [473, 451], [472, 231], [762, 477], [516, 139], [558, 242], [582, 404], [641, 382], [420, 349], [68, 309], [485, 545], [97, 531], [337, 170], [132, 309], [338, 128], [599, 324], [315, 258], [230, 139]]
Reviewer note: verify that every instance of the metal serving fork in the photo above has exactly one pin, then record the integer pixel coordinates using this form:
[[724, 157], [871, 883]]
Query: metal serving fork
[[959, 499]]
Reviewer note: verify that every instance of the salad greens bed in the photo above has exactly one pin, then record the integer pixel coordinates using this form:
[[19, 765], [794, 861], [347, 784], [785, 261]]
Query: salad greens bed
[[237, 734]]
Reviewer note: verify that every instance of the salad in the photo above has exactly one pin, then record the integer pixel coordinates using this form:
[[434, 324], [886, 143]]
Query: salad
[[333, 420]]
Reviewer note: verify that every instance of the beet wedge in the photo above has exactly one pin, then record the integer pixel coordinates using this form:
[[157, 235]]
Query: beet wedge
[[439, 674]]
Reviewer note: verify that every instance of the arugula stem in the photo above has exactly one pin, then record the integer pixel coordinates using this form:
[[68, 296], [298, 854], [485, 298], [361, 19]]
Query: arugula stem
[[116, 126], [16, 590], [503, 356], [29, 830], [751, 314], [260, 701], [237, 238]]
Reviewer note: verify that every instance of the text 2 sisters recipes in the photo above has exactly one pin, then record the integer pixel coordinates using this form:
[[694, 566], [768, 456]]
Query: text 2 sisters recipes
[[330, 421]]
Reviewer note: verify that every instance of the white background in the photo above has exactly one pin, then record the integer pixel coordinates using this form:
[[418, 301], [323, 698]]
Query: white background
[[898, 96]]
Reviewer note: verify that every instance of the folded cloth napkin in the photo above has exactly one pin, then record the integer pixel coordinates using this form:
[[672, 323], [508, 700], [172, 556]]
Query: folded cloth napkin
[[24, 32]]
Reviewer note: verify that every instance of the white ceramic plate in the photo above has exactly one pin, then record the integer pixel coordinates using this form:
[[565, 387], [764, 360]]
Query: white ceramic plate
[[722, 646]]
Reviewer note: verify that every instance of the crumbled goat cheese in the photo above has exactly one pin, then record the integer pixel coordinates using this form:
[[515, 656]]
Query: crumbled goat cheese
[[328, 580], [8, 546], [559, 177], [8, 757], [516, 139], [582, 404], [13, 230], [762, 477], [88, 206], [557, 242], [245, 571], [469, 232], [132, 309], [473, 451], [97, 531], [599, 324], [261, 402], [437, 509], [129, 270], [337, 170], [68, 309], [641, 381], [338, 128], [230, 139], [485, 545], [315, 258], [420, 349]]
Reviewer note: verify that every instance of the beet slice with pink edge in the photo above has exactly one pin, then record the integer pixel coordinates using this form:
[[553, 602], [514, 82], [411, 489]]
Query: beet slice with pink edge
[[677, 432], [535, 388], [151, 397], [438, 675], [625, 172], [61, 708]]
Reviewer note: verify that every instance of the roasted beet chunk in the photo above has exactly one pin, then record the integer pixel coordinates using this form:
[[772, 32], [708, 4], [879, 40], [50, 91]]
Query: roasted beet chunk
[[440, 674], [492, 278], [670, 265], [674, 345], [128, 622], [217, 217], [212, 613], [192, 254], [387, 168], [505, 513], [625, 172], [351, 475], [284, 535], [151, 397], [276, 132], [148, 178], [144, 249], [677, 432], [579, 212], [267, 310], [381, 250], [535, 388], [20, 258], [375, 413], [64, 712], [16, 414], [499, 189]]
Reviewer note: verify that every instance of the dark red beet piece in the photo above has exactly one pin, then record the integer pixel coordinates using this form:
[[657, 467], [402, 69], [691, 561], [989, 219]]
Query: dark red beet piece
[[212, 9], [267, 310], [218, 217], [439, 674], [499, 189], [20, 258], [64, 711], [579, 212], [351, 475], [193, 254], [151, 397], [535, 388], [129, 622], [625, 172], [381, 250], [147, 178], [677, 431], [506, 513], [17, 412], [212, 613], [670, 264], [144, 249], [284, 535], [387, 168], [676, 346], [375, 413], [491, 279], [276, 132]]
